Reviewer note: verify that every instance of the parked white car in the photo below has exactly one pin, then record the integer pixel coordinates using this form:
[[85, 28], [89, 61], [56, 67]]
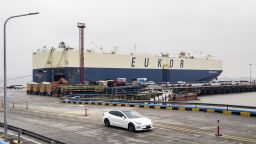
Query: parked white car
[[181, 82], [75, 97], [128, 119], [18, 87]]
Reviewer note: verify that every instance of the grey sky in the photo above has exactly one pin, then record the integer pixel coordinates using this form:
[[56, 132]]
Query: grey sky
[[223, 28]]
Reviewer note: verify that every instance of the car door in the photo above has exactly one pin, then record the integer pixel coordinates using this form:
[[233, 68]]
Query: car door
[[113, 118], [121, 119]]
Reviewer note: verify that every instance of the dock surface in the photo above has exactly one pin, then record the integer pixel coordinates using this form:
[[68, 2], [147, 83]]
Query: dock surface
[[67, 123]]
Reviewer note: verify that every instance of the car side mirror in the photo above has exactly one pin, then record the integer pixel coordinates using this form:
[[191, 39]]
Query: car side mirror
[[123, 117]]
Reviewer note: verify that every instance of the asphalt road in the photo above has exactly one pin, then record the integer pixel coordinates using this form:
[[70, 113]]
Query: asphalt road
[[67, 123]]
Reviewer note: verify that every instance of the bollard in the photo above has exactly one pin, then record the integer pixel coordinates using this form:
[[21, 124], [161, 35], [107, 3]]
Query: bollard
[[85, 114], [2, 103], [13, 104], [26, 105], [218, 129], [19, 133]]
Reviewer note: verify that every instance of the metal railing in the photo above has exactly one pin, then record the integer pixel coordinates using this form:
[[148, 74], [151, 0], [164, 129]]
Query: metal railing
[[163, 103], [33, 135]]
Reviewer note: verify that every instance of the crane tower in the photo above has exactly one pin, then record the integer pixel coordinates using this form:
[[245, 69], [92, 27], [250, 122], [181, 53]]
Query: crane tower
[[81, 27]]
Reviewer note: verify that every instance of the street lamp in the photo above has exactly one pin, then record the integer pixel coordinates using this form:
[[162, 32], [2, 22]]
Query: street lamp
[[5, 113], [250, 73]]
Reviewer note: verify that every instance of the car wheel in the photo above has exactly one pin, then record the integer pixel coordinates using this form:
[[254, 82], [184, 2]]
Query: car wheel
[[131, 127], [107, 123]]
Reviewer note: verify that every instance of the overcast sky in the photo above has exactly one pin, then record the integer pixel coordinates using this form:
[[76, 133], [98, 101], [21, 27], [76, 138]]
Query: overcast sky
[[225, 29]]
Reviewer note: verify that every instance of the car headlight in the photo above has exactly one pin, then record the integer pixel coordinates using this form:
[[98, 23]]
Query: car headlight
[[138, 123]]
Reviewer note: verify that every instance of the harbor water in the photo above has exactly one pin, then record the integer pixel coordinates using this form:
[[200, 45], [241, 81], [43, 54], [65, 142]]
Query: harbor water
[[242, 99]]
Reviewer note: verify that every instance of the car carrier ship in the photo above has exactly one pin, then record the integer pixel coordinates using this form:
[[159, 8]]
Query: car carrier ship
[[55, 63]]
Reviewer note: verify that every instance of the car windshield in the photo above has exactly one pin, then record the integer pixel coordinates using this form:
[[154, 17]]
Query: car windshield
[[132, 114]]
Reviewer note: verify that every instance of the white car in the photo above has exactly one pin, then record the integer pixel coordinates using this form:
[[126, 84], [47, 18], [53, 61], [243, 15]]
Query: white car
[[128, 119], [181, 82], [75, 97]]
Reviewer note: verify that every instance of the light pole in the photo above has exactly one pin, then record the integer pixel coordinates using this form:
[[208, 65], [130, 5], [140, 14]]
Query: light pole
[[5, 113], [250, 73]]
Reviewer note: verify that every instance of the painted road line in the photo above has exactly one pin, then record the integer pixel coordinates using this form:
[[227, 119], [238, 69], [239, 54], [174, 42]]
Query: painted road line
[[210, 134], [183, 130], [189, 130], [165, 127], [240, 138]]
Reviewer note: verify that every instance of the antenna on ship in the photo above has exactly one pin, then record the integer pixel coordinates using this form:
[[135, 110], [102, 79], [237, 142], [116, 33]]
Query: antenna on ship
[[100, 47], [62, 45], [114, 50], [134, 50], [81, 27]]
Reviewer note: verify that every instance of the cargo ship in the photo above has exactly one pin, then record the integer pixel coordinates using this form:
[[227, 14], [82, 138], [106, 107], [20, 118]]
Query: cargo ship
[[52, 64]]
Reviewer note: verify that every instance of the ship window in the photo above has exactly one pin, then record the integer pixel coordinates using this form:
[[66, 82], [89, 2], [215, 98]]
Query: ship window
[[39, 72]]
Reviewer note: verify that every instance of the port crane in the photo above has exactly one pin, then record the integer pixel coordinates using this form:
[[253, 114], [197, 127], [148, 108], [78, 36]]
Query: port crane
[[81, 27]]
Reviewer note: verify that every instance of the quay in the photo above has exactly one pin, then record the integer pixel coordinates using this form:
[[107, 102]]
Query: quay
[[67, 123], [137, 92], [215, 89]]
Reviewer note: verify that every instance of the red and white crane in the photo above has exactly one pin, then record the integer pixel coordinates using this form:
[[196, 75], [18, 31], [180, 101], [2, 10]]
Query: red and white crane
[[81, 27]]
